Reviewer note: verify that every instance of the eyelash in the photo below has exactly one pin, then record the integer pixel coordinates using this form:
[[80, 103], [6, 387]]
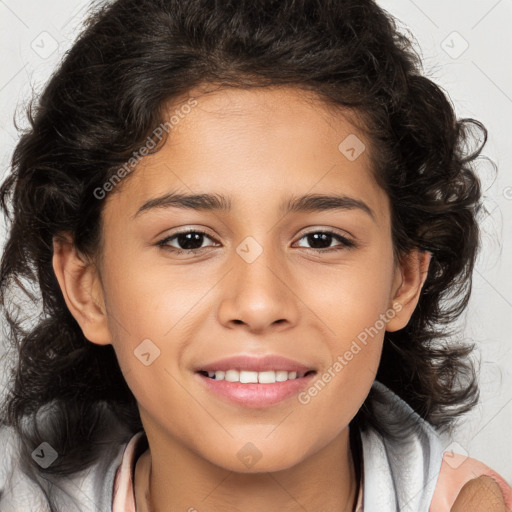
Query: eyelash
[[345, 242]]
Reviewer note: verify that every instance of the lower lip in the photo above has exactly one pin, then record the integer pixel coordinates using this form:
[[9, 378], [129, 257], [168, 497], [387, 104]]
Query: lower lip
[[256, 395]]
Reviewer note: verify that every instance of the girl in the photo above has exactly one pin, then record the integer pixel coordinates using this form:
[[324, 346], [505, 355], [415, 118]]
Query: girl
[[249, 225]]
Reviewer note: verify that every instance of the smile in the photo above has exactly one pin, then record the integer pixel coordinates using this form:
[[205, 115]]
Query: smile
[[247, 390], [248, 377]]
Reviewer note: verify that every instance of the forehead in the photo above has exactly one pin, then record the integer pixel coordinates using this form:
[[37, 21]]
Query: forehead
[[252, 144]]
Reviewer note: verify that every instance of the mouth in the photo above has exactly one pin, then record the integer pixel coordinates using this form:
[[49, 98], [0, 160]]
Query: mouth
[[254, 381], [256, 390], [253, 377]]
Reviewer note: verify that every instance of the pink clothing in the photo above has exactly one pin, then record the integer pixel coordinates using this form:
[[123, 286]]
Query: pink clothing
[[456, 470], [123, 496]]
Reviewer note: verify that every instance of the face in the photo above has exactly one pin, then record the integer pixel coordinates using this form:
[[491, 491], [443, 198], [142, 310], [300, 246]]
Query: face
[[316, 285]]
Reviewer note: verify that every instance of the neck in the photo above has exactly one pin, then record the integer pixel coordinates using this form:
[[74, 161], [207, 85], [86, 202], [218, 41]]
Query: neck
[[171, 478]]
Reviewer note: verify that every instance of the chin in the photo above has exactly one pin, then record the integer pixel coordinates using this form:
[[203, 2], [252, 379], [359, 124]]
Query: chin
[[249, 459]]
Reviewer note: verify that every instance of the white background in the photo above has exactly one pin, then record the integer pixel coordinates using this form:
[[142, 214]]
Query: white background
[[466, 47]]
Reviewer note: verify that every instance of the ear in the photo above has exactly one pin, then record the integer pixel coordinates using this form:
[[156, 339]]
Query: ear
[[409, 278], [81, 287]]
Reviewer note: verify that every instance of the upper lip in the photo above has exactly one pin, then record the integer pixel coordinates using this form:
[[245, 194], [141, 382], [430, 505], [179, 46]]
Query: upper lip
[[256, 364]]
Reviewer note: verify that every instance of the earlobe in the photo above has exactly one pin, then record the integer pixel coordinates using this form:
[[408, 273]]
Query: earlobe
[[409, 279], [81, 289]]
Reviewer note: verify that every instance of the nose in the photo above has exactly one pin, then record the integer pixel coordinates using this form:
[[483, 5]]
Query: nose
[[259, 295]]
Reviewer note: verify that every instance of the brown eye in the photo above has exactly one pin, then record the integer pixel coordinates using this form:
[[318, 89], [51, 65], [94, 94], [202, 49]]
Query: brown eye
[[185, 241], [322, 240]]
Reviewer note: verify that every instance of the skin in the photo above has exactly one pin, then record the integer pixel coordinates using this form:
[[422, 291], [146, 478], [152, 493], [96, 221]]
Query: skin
[[480, 494], [258, 147]]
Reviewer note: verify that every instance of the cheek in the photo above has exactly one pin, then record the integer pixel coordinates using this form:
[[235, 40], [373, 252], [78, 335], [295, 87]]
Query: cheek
[[153, 316], [147, 318], [351, 297], [148, 300], [353, 305]]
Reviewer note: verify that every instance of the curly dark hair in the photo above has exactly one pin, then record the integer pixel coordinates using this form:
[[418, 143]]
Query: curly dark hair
[[104, 101]]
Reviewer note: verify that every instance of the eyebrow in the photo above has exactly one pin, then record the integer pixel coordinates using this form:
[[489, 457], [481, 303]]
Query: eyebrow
[[221, 203]]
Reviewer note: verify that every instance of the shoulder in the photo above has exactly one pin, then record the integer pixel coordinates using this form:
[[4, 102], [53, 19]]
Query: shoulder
[[9, 449], [468, 485], [401, 458], [88, 490], [481, 494], [407, 465], [17, 491], [7, 443]]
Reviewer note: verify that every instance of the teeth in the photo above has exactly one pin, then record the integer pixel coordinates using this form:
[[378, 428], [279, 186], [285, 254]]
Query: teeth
[[247, 377]]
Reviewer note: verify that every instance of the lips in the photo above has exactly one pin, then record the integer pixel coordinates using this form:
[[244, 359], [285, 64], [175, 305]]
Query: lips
[[256, 364], [254, 395]]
